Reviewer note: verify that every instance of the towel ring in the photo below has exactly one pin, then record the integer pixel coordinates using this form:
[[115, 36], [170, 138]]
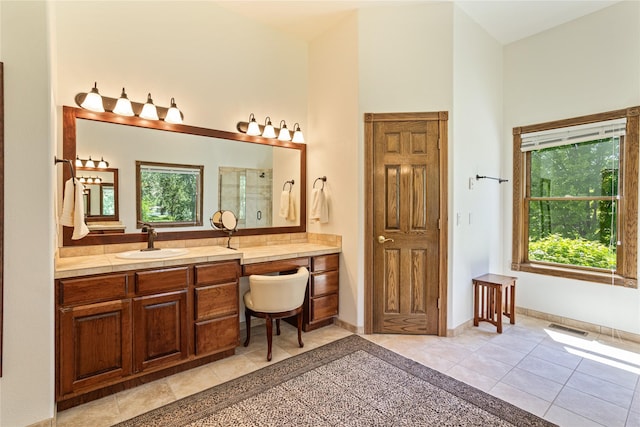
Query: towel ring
[[323, 179], [290, 185], [68, 162]]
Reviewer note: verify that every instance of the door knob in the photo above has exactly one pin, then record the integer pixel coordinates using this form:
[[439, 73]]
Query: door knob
[[382, 239]]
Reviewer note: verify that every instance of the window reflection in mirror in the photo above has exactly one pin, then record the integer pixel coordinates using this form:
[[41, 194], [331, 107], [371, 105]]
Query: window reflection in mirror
[[168, 195], [101, 198]]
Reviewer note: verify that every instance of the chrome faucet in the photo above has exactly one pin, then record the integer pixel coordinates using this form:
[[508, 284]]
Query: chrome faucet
[[151, 235]]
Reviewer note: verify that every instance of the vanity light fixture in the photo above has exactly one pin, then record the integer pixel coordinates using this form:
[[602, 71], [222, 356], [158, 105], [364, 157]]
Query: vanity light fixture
[[297, 134], [269, 131], [123, 105], [149, 110], [253, 128], [89, 163], [284, 134], [93, 100], [173, 114]]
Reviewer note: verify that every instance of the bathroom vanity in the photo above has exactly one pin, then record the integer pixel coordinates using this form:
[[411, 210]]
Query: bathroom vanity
[[121, 323]]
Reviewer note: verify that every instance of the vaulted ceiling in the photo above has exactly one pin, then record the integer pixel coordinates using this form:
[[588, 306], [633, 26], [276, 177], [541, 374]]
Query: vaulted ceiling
[[507, 20]]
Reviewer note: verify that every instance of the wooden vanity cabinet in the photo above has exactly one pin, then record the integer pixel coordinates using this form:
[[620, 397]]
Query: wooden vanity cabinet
[[216, 317], [160, 330], [322, 297], [118, 330], [94, 331]]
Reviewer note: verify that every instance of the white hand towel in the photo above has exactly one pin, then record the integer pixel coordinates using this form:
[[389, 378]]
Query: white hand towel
[[324, 208], [314, 215], [284, 204], [291, 215], [73, 209], [319, 207]]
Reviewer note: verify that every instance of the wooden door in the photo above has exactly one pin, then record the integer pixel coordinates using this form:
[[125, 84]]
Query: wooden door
[[406, 224], [159, 329], [96, 345]]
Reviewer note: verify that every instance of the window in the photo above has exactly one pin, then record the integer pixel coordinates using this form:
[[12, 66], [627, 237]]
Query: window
[[169, 195], [576, 198]]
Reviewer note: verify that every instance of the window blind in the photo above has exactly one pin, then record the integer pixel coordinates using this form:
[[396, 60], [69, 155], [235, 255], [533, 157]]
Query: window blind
[[572, 134]]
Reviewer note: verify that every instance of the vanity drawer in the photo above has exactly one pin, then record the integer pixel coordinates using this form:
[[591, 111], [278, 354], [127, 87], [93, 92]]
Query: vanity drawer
[[222, 272], [92, 289], [323, 307], [325, 262], [275, 266], [216, 300], [161, 280], [217, 334], [324, 283]]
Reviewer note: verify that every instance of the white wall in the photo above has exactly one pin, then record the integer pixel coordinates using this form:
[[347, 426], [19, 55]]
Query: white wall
[[333, 151], [218, 65], [28, 375], [586, 66], [475, 219], [406, 65]]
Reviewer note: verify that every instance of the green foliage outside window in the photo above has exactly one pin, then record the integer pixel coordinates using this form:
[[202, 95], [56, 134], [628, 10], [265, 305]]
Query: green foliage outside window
[[572, 204], [168, 196]]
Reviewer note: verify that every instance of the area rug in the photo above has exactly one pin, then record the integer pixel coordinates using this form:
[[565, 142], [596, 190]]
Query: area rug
[[349, 382]]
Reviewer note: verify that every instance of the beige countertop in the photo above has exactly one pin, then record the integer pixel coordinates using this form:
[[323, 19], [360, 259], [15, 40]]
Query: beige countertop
[[109, 263]]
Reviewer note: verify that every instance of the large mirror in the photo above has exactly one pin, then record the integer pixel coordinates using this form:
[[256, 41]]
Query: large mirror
[[123, 141]]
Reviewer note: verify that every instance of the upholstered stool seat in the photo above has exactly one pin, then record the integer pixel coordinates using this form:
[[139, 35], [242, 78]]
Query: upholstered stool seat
[[275, 297]]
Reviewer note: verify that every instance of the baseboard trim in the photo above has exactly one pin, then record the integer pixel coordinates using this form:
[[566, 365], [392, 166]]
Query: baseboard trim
[[348, 326], [578, 324]]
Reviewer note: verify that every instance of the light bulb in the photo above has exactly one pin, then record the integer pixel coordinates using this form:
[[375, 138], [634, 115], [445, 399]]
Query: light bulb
[[102, 164], [173, 114], [89, 163], [93, 100], [269, 131], [149, 110], [253, 128], [297, 134], [123, 105], [284, 134], [79, 163]]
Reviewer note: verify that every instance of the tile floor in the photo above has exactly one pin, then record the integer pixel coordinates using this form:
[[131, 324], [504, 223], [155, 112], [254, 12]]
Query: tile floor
[[565, 378]]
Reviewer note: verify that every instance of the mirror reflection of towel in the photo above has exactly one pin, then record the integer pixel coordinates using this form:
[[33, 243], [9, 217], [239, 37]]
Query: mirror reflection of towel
[[73, 209], [284, 204], [319, 206]]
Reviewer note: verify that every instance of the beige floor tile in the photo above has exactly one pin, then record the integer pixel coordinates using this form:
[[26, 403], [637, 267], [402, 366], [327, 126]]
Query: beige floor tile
[[472, 377], [532, 384], [563, 417], [99, 413], [234, 366], [143, 398], [591, 407], [521, 399], [486, 364], [193, 381]]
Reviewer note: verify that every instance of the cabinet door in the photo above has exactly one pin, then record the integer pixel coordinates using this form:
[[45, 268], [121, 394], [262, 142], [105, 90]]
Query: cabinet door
[[95, 346], [159, 329]]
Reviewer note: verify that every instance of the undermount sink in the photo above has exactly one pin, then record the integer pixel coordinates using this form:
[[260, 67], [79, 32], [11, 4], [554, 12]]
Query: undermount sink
[[156, 254]]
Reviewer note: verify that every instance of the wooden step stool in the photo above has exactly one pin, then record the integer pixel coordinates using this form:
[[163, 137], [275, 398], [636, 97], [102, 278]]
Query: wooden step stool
[[493, 294]]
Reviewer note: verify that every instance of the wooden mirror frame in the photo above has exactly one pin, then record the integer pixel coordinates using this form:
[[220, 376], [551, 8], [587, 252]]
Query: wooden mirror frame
[[71, 114], [116, 213]]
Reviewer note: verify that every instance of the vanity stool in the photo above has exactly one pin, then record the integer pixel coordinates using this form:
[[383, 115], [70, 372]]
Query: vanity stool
[[493, 294]]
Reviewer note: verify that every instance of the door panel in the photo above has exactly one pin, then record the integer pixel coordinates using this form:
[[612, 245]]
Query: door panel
[[406, 204]]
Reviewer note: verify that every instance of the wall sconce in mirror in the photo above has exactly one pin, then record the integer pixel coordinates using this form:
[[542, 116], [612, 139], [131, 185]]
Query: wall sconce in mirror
[[268, 131], [93, 101], [90, 179], [89, 163]]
